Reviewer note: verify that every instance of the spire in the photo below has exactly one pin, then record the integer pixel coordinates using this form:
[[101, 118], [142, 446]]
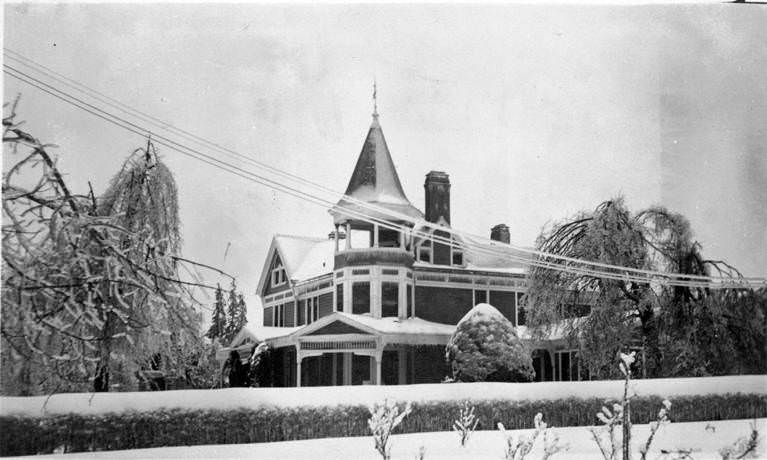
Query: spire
[[375, 99], [375, 178]]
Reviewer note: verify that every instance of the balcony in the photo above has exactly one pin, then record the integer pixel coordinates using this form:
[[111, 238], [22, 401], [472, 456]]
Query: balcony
[[373, 256]]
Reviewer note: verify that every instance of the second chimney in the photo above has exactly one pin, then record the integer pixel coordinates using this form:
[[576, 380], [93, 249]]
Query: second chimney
[[500, 233], [437, 187]]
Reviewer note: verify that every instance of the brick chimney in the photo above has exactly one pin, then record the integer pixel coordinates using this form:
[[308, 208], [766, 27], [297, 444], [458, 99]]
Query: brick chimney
[[500, 233], [437, 187]]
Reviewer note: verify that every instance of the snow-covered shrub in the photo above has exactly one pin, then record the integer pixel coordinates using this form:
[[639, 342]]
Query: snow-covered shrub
[[261, 367], [744, 447], [485, 347], [466, 423], [384, 417], [610, 445], [517, 448], [655, 426]]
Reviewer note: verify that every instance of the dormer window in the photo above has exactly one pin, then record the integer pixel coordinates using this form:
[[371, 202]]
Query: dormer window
[[278, 276]]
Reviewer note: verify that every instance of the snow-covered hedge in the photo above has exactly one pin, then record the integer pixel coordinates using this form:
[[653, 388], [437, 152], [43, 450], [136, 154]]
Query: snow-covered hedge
[[261, 398], [204, 417]]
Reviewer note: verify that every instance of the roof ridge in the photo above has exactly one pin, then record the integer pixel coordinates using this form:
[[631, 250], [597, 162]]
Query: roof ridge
[[315, 239]]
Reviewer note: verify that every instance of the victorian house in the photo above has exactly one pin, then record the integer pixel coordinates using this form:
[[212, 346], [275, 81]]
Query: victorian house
[[373, 303]]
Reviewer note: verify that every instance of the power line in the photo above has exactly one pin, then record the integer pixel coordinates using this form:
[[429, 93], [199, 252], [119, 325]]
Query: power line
[[230, 168], [162, 125], [649, 276]]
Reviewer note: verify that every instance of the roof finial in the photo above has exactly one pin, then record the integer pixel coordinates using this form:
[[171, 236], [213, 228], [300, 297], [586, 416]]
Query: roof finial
[[375, 100]]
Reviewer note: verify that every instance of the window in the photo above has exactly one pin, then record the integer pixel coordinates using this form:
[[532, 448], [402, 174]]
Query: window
[[389, 299], [312, 309], [521, 315], [361, 298], [457, 257], [278, 276], [340, 297], [480, 296], [278, 318], [424, 253], [388, 238], [302, 313], [566, 365]]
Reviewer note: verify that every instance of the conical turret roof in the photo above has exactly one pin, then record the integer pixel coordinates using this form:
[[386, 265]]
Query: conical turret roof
[[375, 181]]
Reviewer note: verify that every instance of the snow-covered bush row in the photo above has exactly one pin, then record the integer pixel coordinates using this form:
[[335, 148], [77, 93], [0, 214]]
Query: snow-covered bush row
[[253, 398], [229, 424]]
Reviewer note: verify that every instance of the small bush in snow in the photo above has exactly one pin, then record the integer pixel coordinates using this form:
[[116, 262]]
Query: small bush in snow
[[517, 448], [466, 423], [384, 417], [744, 447], [485, 347], [655, 426], [612, 446]]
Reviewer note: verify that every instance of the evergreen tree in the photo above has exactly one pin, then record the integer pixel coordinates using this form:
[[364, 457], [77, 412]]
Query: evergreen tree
[[218, 317], [236, 314]]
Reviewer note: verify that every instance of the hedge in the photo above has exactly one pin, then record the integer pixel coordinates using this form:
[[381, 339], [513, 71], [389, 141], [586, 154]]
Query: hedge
[[135, 430]]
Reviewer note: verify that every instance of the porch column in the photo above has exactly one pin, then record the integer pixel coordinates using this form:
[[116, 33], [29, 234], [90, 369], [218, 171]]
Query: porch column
[[348, 236], [402, 365], [336, 237], [347, 369], [298, 369], [375, 235], [553, 356], [378, 358]]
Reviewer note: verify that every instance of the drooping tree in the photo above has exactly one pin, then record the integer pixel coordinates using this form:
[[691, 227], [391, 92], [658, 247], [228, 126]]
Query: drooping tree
[[625, 313], [91, 292]]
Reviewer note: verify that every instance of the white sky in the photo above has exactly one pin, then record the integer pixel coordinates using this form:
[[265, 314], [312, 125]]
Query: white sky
[[536, 112]]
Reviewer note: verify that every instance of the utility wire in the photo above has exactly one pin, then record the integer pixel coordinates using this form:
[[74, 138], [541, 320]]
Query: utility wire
[[162, 125], [170, 144], [665, 278]]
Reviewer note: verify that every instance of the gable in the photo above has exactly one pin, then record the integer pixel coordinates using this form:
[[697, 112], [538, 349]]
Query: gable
[[269, 288], [338, 327]]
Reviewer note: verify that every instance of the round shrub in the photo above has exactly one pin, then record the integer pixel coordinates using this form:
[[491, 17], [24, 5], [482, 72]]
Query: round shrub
[[485, 348]]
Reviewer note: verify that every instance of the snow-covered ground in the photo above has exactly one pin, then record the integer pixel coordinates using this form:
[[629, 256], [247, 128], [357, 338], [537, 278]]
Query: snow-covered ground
[[234, 398], [706, 438]]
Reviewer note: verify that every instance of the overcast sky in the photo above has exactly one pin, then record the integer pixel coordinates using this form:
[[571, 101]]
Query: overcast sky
[[536, 112]]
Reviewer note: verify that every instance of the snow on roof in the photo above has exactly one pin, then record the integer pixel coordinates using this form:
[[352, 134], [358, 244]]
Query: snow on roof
[[317, 261], [261, 333], [306, 257], [375, 180], [392, 325]]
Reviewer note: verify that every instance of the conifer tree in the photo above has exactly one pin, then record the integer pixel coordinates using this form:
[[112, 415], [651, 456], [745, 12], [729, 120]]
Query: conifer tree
[[218, 318], [236, 313]]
